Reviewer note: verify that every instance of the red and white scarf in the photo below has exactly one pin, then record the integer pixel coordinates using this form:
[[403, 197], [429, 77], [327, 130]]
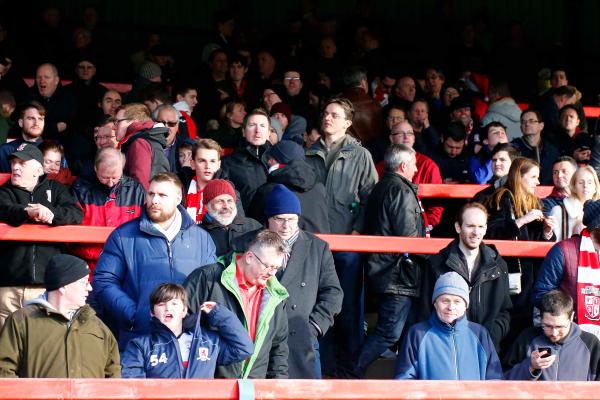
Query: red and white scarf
[[588, 286], [194, 203]]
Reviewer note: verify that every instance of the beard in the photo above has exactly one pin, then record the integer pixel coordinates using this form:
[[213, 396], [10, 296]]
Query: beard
[[159, 216], [225, 216]]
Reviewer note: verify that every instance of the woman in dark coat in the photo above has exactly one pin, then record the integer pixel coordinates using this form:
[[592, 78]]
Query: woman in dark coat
[[516, 214]]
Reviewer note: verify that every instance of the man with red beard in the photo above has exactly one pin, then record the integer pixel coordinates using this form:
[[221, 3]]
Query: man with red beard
[[163, 245]]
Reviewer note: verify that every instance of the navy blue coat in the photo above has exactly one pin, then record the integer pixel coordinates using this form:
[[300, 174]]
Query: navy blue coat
[[136, 258], [157, 355]]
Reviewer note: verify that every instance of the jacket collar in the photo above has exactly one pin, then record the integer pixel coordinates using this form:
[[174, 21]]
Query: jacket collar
[[459, 325], [146, 225]]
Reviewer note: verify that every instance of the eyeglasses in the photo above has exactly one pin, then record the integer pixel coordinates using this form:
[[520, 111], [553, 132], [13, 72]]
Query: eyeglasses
[[551, 328], [99, 138], [281, 221], [405, 134], [292, 78], [170, 124], [265, 266], [396, 119], [529, 121]]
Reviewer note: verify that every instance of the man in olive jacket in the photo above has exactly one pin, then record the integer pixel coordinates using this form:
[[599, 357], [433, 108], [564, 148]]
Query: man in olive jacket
[[58, 335], [393, 210]]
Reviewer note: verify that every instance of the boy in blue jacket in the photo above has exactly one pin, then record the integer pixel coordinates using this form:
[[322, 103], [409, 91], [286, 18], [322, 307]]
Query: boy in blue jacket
[[178, 346]]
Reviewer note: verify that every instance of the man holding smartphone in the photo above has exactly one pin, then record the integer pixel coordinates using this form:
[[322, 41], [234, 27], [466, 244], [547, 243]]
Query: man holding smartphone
[[535, 354]]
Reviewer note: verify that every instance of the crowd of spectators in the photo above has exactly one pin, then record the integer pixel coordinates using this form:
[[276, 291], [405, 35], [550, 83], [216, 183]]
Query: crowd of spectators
[[217, 180]]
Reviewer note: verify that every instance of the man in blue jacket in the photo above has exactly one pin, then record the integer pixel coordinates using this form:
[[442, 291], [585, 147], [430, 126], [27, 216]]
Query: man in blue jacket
[[448, 346], [163, 245]]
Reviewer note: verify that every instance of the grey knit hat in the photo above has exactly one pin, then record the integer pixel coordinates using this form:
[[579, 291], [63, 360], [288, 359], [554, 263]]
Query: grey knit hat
[[591, 214], [150, 70], [451, 283]]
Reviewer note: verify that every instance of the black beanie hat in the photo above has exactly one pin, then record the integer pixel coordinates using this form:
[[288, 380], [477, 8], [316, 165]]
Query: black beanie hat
[[64, 269]]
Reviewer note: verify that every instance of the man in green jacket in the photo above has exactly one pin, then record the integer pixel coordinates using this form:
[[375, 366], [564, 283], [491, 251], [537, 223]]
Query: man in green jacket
[[58, 335], [246, 284]]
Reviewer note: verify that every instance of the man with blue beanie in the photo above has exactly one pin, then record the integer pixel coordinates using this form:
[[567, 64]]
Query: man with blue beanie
[[448, 346], [309, 276]]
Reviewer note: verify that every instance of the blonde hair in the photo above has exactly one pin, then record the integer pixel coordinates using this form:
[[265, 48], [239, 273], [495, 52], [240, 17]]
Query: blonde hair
[[522, 201], [576, 175], [137, 111]]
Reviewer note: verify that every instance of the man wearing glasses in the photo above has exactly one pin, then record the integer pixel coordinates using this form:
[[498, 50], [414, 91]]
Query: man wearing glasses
[[169, 117], [142, 141], [559, 350], [310, 279], [246, 284], [533, 146]]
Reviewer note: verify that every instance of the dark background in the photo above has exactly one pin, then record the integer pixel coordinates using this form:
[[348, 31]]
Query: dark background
[[556, 33]]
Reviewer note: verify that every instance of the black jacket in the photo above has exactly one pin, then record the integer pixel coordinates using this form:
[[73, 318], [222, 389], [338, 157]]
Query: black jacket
[[210, 283], [544, 155], [301, 179], [247, 169], [393, 210], [502, 225], [24, 263], [225, 237], [489, 301], [315, 298]]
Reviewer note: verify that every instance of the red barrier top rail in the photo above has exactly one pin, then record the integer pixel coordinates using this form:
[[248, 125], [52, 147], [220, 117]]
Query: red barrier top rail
[[426, 190], [359, 243], [221, 389]]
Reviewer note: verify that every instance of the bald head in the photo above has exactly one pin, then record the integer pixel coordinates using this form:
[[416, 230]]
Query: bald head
[[47, 79]]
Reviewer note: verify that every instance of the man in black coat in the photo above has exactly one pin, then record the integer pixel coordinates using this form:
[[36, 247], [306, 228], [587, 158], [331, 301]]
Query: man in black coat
[[393, 210], [287, 166], [482, 268], [30, 197], [311, 281], [247, 166]]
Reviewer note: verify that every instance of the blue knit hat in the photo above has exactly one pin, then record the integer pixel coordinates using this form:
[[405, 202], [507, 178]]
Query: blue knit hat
[[451, 283], [286, 151], [281, 200]]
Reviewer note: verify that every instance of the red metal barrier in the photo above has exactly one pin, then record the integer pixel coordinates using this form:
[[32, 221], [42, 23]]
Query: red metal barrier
[[389, 244], [444, 190], [159, 389]]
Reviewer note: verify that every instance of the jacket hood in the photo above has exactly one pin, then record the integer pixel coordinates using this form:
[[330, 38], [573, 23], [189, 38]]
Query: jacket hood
[[507, 108], [147, 130], [297, 174]]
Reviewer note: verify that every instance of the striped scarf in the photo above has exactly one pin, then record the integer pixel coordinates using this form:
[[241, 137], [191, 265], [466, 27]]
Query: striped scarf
[[588, 286], [193, 202]]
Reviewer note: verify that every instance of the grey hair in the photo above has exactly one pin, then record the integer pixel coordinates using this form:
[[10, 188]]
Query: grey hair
[[267, 238], [164, 106], [395, 155]]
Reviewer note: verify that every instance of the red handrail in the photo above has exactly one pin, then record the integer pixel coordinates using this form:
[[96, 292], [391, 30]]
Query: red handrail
[[167, 389], [443, 190], [360, 243]]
